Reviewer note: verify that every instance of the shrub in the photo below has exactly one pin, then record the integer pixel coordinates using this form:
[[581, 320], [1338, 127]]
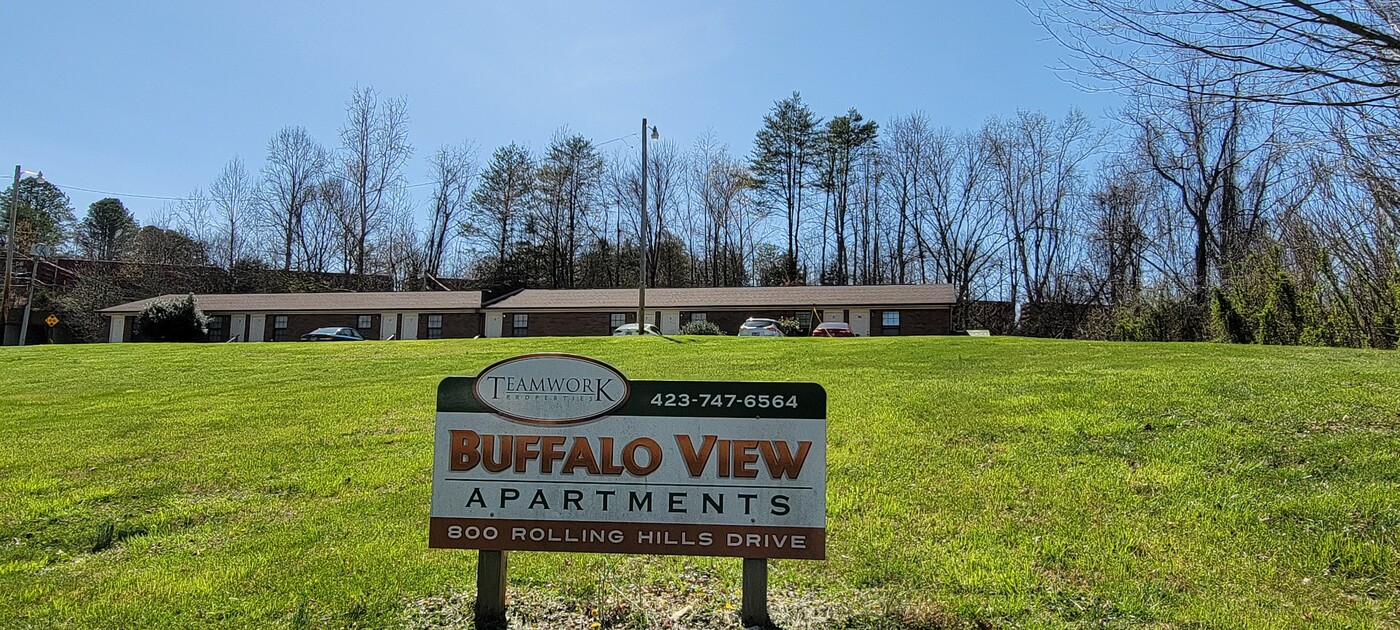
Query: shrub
[[1281, 320], [1127, 326], [1230, 325], [790, 327], [701, 328], [172, 320]]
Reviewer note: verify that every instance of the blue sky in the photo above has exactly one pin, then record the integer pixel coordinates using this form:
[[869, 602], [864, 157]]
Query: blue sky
[[154, 97]]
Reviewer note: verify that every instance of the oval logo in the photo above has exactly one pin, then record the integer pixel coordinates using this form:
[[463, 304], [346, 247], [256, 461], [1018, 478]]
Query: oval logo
[[551, 389]]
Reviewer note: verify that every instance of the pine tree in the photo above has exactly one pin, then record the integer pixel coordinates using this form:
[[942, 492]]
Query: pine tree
[[784, 150]]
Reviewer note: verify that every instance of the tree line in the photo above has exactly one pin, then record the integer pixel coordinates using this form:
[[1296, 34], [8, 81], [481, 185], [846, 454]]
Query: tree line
[[1221, 202]]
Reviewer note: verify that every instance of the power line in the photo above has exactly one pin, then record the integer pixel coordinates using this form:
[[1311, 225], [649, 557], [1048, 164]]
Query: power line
[[118, 194], [629, 145]]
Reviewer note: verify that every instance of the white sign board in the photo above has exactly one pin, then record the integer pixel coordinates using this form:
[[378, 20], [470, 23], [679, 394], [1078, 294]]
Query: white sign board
[[562, 453]]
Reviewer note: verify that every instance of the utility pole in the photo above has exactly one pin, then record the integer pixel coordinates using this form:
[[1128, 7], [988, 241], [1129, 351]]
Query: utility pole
[[29, 302], [641, 243], [10, 258]]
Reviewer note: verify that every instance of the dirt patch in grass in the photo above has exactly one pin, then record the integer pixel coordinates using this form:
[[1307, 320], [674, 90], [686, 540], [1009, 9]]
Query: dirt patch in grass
[[688, 609]]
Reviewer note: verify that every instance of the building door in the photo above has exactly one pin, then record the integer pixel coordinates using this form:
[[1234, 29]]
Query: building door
[[860, 323], [833, 315], [237, 327], [670, 322], [493, 324], [410, 326], [388, 325], [257, 325], [118, 332]]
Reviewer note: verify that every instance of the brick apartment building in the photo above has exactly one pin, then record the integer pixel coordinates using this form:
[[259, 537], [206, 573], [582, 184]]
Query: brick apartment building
[[870, 310], [287, 316]]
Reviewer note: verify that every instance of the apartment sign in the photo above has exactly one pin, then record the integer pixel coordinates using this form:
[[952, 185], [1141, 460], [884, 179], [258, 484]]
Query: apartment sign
[[555, 452]]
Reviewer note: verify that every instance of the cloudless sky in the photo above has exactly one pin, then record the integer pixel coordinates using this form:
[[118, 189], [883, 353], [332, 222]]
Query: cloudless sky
[[153, 98]]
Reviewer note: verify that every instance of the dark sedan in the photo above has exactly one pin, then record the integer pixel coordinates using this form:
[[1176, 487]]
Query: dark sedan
[[333, 334]]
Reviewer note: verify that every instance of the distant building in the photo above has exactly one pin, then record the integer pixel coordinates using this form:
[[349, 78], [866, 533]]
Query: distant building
[[287, 316], [870, 310]]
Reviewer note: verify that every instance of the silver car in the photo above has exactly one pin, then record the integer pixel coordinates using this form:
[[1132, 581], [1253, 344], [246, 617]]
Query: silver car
[[760, 327], [631, 329]]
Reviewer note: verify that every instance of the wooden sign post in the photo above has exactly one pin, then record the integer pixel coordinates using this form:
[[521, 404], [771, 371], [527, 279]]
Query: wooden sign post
[[555, 452]]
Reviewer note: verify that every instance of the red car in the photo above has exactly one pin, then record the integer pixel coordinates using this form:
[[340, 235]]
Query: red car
[[832, 329]]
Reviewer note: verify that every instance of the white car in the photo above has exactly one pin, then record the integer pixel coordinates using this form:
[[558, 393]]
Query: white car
[[631, 329], [760, 327]]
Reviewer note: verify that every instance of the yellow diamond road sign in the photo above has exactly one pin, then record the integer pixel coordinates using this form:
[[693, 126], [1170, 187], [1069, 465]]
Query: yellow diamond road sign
[[51, 320]]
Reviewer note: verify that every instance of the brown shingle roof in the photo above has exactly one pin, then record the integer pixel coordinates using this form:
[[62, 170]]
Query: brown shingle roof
[[422, 301], [737, 297]]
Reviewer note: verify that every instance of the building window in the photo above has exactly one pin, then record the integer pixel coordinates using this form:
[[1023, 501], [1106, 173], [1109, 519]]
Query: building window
[[216, 329], [615, 320], [889, 322], [366, 322], [520, 324], [804, 319], [279, 328], [697, 317], [435, 327]]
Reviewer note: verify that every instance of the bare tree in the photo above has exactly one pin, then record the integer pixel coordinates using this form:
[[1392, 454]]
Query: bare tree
[[454, 170], [1286, 52], [1354, 220], [399, 254], [1118, 232], [666, 199], [295, 167], [907, 161], [666, 175], [1037, 174], [731, 218], [1218, 156], [233, 197], [567, 180], [325, 243], [374, 148], [960, 231]]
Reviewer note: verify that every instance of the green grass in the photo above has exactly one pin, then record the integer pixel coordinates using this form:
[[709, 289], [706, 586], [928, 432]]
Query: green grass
[[1001, 481]]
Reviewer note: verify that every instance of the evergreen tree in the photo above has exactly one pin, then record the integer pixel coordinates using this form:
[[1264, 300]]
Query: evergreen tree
[[108, 230], [568, 180], [502, 200], [843, 144], [45, 215], [784, 150]]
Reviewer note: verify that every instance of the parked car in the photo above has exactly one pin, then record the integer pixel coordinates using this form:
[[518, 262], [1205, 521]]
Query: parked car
[[760, 327], [832, 329], [631, 329], [333, 334]]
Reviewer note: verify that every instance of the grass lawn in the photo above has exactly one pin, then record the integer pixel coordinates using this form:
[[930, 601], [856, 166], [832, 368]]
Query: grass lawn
[[1007, 482]]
